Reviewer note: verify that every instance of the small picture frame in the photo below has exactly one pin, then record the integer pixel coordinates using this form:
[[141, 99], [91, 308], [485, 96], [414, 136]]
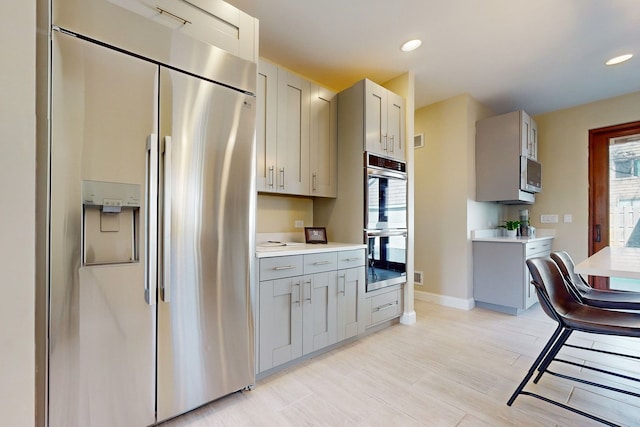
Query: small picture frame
[[315, 234]]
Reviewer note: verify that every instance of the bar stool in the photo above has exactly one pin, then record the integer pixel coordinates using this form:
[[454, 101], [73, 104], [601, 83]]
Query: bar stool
[[571, 315], [621, 300]]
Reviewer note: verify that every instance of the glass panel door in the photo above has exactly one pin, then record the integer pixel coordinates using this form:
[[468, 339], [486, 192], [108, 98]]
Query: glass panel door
[[624, 199]]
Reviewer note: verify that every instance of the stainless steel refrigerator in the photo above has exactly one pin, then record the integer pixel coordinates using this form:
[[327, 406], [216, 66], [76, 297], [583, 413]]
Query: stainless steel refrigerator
[[151, 225]]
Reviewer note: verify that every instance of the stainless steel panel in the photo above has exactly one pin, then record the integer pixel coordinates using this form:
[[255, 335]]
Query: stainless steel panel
[[109, 23], [205, 332], [102, 340], [387, 258]]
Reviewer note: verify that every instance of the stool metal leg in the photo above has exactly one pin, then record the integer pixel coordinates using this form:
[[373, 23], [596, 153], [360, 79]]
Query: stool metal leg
[[535, 364]]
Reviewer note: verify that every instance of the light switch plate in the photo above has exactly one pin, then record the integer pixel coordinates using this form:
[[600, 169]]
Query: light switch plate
[[567, 218], [549, 218]]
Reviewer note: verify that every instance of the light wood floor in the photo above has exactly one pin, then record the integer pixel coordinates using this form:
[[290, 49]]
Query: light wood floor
[[452, 368]]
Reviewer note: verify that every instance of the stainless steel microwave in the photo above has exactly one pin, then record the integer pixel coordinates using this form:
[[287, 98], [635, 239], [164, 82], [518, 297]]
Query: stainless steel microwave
[[530, 175]]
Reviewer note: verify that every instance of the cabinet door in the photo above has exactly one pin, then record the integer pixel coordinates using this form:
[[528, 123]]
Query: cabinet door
[[395, 126], [375, 118], [351, 288], [280, 322], [525, 134], [323, 142], [530, 296], [292, 167], [319, 310], [533, 250], [533, 140], [266, 110]]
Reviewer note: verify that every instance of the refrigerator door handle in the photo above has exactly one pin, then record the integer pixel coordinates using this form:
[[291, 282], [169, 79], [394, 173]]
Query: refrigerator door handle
[[151, 220], [166, 242]]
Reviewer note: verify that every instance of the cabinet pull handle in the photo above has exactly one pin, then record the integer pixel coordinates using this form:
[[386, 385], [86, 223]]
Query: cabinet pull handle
[[393, 144], [531, 248], [344, 284], [598, 236], [325, 262], [271, 171], [350, 259], [284, 267], [386, 306], [174, 16], [384, 137], [282, 178], [313, 182], [297, 301], [310, 293]]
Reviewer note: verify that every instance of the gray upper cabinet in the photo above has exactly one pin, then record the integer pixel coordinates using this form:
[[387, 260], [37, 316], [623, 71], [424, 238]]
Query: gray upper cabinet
[[500, 143], [292, 160], [323, 142], [383, 113], [266, 126], [296, 135]]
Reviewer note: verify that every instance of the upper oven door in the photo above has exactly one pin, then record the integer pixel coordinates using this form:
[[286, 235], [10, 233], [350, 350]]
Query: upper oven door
[[386, 202]]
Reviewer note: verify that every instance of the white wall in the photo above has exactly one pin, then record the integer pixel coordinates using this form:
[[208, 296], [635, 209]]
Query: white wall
[[564, 154], [445, 190], [17, 217], [445, 210]]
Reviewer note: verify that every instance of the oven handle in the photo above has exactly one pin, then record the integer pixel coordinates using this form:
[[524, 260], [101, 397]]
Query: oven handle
[[386, 174], [385, 233]]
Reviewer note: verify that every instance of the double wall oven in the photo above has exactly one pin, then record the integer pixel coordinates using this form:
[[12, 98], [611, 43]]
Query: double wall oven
[[385, 221]]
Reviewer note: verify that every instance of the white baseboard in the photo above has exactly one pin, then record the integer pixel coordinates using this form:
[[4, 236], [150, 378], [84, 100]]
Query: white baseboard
[[408, 318], [447, 301]]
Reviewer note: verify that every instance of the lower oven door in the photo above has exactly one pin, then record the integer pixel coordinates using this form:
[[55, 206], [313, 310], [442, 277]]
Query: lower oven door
[[386, 258]]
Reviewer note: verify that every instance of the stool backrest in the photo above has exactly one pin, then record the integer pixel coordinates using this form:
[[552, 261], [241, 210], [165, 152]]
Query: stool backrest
[[556, 299], [567, 267]]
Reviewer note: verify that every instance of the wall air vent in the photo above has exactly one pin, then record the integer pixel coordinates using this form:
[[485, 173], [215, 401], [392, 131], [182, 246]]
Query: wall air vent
[[417, 278], [418, 140]]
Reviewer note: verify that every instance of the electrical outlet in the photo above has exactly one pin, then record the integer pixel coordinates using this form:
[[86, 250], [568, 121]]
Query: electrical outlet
[[299, 223], [549, 218]]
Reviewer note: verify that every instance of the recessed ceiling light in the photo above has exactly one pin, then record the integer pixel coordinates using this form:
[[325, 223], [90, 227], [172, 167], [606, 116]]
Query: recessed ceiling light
[[411, 45], [619, 59]]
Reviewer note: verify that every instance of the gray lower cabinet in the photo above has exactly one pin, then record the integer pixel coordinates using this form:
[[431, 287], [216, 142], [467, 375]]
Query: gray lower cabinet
[[307, 304], [351, 293], [501, 279], [351, 287], [384, 305]]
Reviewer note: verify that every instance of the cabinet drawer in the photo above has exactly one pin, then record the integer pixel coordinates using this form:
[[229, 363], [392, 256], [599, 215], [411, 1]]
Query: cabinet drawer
[[349, 259], [279, 267], [385, 306], [538, 248], [317, 263]]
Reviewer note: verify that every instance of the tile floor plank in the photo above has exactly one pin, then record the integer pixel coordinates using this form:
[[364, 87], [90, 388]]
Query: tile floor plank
[[453, 368]]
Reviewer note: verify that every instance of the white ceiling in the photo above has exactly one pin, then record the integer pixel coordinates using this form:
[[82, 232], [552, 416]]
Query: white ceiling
[[536, 55]]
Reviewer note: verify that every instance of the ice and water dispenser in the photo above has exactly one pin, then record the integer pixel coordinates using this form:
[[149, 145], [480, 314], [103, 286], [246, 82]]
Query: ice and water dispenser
[[111, 222]]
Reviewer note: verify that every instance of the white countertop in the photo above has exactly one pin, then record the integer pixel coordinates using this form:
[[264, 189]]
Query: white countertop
[[505, 239], [495, 235], [265, 249], [612, 262]]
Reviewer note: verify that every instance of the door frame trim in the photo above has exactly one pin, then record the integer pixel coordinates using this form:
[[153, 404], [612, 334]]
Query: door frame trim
[[598, 147]]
